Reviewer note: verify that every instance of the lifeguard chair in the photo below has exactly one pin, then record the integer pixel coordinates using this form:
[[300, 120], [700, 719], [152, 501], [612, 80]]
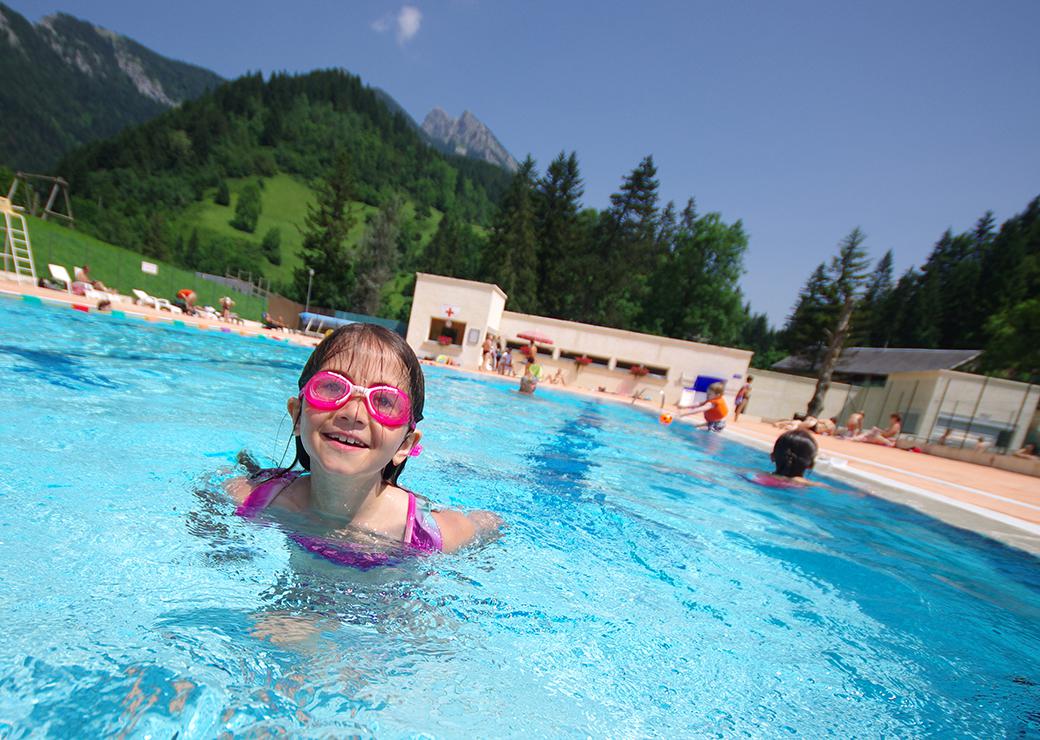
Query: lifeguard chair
[[17, 249]]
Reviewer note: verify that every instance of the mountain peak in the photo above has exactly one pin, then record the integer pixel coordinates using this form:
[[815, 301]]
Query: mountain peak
[[467, 136], [87, 82]]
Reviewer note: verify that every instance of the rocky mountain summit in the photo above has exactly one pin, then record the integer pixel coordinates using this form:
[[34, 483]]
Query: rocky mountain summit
[[68, 81], [468, 137]]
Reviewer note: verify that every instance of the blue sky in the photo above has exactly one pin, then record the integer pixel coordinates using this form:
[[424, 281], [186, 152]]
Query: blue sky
[[803, 119]]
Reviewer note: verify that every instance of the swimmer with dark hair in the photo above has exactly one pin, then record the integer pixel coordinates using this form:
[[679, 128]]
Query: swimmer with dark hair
[[794, 455]]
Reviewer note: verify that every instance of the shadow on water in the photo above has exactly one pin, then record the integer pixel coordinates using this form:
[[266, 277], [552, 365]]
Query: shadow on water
[[57, 368]]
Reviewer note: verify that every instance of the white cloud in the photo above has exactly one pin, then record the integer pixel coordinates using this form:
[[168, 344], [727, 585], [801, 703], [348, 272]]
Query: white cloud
[[405, 22], [409, 18]]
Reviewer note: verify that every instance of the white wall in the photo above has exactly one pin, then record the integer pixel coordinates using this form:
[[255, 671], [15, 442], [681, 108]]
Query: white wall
[[477, 305], [680, 361], [779, 395]]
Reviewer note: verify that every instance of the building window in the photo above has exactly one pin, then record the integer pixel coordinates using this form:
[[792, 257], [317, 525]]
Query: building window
[[593, 359], [652, 371], [447, 332]]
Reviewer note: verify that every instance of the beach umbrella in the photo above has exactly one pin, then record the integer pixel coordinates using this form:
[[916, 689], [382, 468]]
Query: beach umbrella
[[534, 336]]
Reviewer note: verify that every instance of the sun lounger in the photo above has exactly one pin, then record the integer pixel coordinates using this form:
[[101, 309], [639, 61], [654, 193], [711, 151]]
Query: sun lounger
[[60, 274], [159, 304], [144, 299]]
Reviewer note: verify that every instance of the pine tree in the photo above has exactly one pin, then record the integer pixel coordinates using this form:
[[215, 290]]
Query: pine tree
[[805, 332], [324, 247], [271, 246], [627, 246], [869, 326], [848, 272], [223, 196], [558, 233], [694, 289], [511, 257], [192, 253], [247, 210], [451, 251], [378, 257]]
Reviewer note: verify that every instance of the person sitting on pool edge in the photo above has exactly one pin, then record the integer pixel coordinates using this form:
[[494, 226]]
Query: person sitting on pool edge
[[185, 301], [714, 409], [884, 437], [361, 396], [793, 455]]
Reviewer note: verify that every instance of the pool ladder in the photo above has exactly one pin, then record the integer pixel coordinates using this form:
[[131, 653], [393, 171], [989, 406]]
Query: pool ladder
[[17, 247]]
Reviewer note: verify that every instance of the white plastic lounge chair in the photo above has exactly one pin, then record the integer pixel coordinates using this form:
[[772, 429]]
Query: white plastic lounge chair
[[59, 273], [144, 299], [159, 304]]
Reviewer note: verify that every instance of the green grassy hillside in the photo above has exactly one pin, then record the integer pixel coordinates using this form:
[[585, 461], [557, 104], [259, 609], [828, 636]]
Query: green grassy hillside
[[121, 268], [285, 201]]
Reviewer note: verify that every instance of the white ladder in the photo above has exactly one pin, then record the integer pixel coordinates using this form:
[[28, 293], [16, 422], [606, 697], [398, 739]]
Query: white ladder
[[17, 248]]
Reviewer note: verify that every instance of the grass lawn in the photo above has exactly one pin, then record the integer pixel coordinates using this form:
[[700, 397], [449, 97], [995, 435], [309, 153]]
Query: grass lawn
[[120, 268], [284, 203]]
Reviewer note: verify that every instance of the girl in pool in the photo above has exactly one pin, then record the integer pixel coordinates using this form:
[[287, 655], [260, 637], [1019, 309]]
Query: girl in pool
[[361, 396], [794, 454]]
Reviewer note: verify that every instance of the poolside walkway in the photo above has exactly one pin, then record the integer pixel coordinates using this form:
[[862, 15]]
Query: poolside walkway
[[12, 288]]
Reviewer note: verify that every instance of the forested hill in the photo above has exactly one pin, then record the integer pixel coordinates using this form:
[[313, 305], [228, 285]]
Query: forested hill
[[128, 188], [67, 82]]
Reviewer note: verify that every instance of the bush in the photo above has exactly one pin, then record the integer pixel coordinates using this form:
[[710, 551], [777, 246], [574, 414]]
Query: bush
[[223, 196]]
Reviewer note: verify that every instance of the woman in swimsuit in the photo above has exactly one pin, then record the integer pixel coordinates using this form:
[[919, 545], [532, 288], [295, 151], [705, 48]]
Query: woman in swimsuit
[[361, 397]]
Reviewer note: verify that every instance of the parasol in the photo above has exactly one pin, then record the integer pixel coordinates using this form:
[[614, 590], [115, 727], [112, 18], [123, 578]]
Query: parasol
[[534, 336]]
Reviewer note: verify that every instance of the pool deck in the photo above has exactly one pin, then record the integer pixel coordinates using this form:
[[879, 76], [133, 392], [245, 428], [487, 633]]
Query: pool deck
[[13, 289], [997, 503]]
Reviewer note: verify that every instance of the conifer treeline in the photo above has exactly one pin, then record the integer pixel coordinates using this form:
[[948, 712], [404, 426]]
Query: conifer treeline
[[633, 266], [977, 290]]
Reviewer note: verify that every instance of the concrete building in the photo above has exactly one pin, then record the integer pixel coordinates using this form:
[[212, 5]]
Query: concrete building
[[450, 319]]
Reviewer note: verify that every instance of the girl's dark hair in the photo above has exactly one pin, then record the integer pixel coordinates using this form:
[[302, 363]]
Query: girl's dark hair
[[380, 349], [794, 453]]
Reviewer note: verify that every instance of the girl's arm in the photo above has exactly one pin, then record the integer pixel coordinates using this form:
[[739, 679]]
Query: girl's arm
[[239, 488], [459, 530]]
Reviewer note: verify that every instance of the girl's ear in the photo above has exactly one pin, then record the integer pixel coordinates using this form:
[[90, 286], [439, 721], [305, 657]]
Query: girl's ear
[[293, 407], [410, 440]]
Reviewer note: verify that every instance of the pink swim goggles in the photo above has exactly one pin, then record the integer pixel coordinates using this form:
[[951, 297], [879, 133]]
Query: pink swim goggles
[[389, 406]]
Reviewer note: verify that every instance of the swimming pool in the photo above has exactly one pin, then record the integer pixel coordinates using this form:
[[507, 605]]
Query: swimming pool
[[644, 587]]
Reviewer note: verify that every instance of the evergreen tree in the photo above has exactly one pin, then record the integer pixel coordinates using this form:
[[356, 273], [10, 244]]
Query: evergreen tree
[[378, 257], [451, 251], [869, 327], [511, 257], [627, 244], [324, 247], [694, 289], [805, 332], [558, 233], [848, 271], [247, 210], [223, 196], [271, 246], [192, 253]]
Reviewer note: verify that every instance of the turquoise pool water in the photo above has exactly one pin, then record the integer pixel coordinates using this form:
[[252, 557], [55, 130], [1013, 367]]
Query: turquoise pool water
[[643, 588]]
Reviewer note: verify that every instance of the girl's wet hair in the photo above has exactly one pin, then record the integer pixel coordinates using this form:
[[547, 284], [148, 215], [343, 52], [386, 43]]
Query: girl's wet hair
[[381, 354], [794, 453]]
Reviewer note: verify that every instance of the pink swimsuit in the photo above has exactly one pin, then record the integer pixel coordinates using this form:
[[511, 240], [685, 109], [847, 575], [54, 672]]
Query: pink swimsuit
[[421, 535]]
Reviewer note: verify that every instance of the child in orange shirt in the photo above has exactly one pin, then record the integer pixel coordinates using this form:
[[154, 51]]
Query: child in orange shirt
[[714, 408]]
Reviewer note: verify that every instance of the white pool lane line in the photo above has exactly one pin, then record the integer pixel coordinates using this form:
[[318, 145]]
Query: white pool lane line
[[1015, 522]]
